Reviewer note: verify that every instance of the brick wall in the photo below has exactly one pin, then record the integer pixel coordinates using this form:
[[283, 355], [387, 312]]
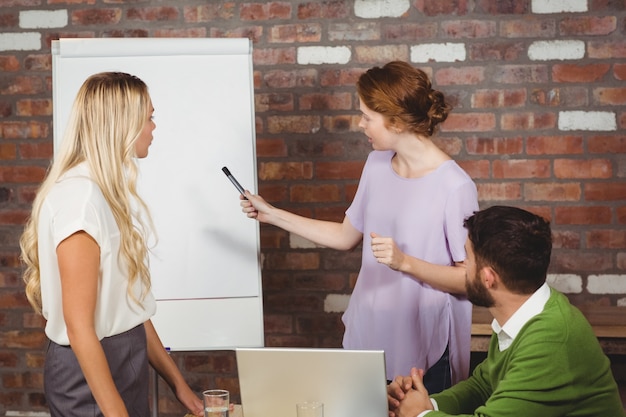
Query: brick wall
[[540, 110]]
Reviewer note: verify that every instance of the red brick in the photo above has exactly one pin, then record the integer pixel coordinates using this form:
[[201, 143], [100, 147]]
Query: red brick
[[579, 73], [38, 62], [274, 192], [582, 215], [22, 174], [547, 145], [442, 7], [495, 51], [469, 29], [338, 170], [295, 33], [293, 124], [274, 56], [621, 214], [93, 16], [209, 12], [499, 98], [8, 151], [181, 33], [494, 146], [321, 10], [375, 54], [335, 213], [34, 107], [270, 148], [477, 169], [520, 74], [297, 261], [340, 77], [576, 168], [552, 192], [497, 7], [23, 130], [361, 31], [451, 145], [278, 323], [588, 25], [563, 96], [22, 339], [609, 96], [578, 262], [606, 49], [528, 121], [14, 217], [9, 21], [565, 239], [606, 239], [285, 170], [321, 101], [315, 193], [254, 33], [36, 151], [410, 31], [521, 168], [265, 11], [501, 191], [460, 76], [273, 102], [9, 63], [469, 122], [612, 191], [84, 2], [22, 85], [619, 71], [153, 14], [339, 124], [528, 27], [290, 79], [607, 144]]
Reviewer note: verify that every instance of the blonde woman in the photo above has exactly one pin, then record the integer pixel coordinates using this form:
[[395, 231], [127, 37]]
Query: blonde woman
[[86, 259]]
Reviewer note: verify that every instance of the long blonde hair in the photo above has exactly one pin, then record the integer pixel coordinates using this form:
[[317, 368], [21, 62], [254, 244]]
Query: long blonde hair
[[107, 117]]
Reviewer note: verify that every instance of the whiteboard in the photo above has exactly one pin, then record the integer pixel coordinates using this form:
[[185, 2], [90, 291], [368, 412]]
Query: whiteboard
[[205, 264]]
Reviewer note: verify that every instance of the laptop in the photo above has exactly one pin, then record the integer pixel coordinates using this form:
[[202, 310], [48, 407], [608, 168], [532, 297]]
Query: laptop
[[350, 383]]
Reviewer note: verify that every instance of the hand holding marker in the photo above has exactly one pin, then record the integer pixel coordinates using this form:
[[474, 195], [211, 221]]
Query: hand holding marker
[[234, 181]]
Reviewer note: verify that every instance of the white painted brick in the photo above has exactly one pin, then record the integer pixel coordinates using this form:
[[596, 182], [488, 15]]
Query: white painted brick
[[372, 9], [336, 303], [559, 50], [606, 284], [298, 242], [26, 41], [621, 302], [558, 6], [587, 120], [323, 55], [566, 283], [39, 19], [438, 52]]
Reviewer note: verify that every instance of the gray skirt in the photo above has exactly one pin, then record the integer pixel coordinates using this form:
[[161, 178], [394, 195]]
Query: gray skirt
[[66, 389]]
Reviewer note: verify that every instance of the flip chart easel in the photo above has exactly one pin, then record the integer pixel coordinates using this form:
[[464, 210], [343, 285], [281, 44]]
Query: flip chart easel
[[205, 265]]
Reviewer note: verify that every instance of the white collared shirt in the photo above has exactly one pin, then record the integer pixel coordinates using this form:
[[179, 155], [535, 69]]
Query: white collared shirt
[[507, 333], [531, 307]]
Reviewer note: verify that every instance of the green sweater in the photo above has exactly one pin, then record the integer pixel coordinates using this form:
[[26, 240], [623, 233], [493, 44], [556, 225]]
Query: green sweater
[[554, 367]]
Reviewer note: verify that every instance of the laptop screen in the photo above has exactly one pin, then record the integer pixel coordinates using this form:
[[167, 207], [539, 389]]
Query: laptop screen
[[350, 383]]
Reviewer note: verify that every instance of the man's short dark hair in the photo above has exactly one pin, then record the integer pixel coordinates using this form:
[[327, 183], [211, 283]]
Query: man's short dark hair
[[517, 244]]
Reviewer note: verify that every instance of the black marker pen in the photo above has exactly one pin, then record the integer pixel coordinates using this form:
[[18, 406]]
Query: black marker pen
[[234, 181]]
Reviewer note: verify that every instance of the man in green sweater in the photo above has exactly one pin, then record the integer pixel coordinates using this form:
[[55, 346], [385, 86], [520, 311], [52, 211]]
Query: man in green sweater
[[544, 359]]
